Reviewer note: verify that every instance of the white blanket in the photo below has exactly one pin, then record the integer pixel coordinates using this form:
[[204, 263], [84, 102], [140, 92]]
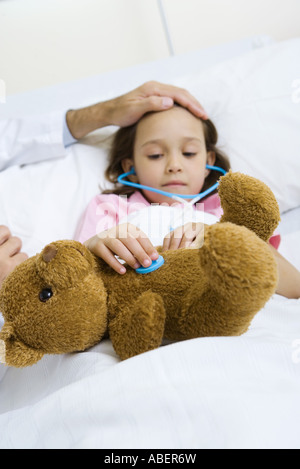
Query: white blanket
[[205, 393]]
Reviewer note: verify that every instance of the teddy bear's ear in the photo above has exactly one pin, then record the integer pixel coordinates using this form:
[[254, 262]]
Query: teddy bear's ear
[[64, 263], [14, 352]]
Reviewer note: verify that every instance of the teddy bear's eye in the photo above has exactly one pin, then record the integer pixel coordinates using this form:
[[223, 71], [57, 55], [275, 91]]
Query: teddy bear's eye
[[45, 294]]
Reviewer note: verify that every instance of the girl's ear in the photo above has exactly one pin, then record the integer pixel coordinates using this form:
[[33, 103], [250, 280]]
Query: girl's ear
[[127, 165], [211, 159]]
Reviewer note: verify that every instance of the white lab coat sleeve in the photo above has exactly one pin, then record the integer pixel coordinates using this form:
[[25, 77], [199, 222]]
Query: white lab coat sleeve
[[31, 139]]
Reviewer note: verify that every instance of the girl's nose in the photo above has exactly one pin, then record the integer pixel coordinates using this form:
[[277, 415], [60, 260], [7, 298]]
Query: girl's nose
[[173, 165]]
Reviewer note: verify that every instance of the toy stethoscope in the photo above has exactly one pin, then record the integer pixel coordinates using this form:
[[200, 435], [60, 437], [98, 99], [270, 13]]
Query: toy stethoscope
[[195, 197], [179, 197]]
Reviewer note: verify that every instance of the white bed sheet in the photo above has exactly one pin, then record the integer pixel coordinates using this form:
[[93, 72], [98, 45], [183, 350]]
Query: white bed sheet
[[240, 392]]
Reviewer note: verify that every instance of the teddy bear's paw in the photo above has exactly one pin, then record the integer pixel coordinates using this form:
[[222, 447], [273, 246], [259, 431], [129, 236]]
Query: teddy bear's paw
[[14, 353], [140, 327], [239, 266], [249, 202]]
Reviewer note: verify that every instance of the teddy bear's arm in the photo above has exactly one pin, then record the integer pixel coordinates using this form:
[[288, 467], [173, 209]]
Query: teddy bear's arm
[[241, 275], [138, 327], [241, 272], [246, 201]]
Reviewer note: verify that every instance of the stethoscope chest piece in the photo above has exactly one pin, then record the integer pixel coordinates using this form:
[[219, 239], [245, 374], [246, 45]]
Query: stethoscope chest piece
[[154, 266]]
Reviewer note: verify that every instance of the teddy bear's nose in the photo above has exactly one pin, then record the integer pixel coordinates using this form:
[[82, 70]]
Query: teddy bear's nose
[[49, 252]]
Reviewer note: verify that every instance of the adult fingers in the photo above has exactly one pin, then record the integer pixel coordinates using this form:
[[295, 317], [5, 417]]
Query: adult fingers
[[151, 104], [17, 259], [5, 234], [10, 246], [151, 96], [177, 94], [9, 263]]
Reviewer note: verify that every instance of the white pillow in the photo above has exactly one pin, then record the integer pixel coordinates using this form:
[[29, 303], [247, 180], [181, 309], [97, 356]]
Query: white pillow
[[254, 100]]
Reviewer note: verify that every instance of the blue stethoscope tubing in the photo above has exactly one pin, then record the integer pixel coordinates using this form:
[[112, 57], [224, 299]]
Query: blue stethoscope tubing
[[121, 180]]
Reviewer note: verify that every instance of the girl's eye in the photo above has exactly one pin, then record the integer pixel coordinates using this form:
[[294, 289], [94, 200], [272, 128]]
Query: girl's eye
[[155, 156], [189, 153]]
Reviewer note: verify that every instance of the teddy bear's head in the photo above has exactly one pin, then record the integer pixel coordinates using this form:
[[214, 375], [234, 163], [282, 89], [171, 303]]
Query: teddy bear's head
[[52, 303]]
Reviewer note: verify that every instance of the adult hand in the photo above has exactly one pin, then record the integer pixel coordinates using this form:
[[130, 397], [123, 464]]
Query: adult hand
[[127, 109], [10, 253], [151, 96]]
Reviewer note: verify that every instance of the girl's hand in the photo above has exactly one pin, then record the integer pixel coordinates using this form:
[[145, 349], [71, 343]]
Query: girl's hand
[[126, 241], [189, 235]]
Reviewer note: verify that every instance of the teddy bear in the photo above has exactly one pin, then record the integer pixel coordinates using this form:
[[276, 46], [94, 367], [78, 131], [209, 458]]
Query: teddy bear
[[66, 300]]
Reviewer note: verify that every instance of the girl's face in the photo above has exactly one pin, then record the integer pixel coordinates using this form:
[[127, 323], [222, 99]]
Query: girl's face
[[170, 154]]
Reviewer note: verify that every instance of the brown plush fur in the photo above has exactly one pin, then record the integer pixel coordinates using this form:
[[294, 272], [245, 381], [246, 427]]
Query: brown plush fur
[[212, 291]]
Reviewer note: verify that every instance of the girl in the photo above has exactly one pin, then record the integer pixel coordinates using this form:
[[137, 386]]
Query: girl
[[169, 151]]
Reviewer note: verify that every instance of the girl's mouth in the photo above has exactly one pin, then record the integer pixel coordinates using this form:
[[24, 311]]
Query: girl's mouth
[[174, 183]]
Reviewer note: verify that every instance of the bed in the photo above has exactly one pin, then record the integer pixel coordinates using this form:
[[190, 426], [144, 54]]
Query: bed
[[212, 393]]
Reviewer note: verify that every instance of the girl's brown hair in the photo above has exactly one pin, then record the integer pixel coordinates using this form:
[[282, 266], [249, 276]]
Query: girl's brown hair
[[123, 145]]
